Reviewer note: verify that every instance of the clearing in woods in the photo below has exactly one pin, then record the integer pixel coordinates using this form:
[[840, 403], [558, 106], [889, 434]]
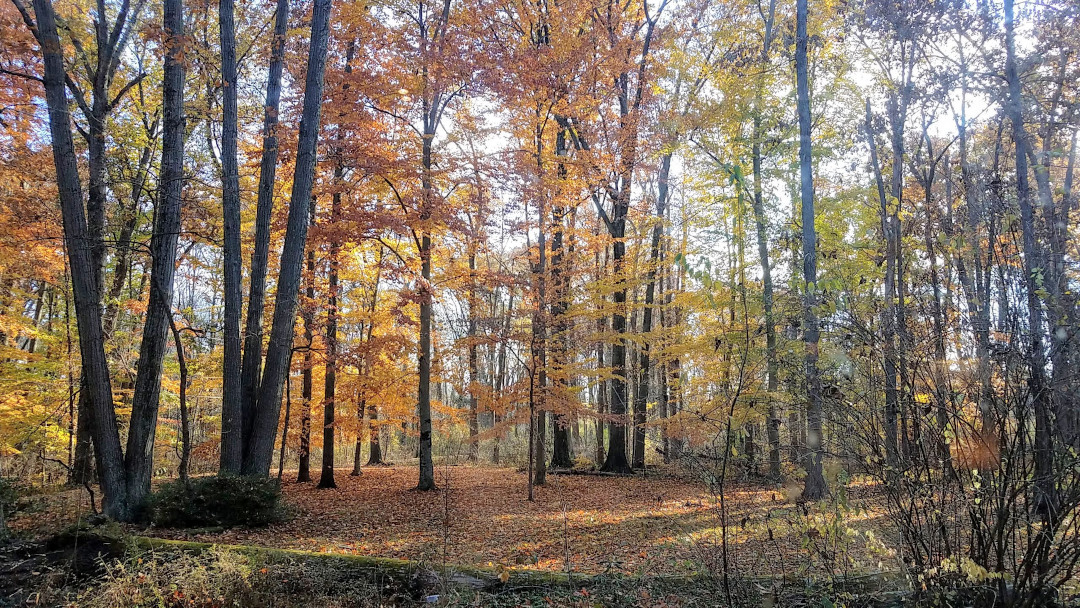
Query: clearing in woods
[[632, 525]]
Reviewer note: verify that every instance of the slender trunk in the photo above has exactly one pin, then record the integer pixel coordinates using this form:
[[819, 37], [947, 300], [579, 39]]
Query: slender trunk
[[1064, 382], [814, 487], [1045, 494], [124, 245], [538, 389], [326, 480], [897, 104], [361, 409], [474, 380], [560, 445], [185, 422], [888, 320], [423, 405], [771, 363], [101, 417], [285, 425], [938, 312], [231, 408], [307, 312], [374, 445], [264, 426], [601, 394], [500, 379], [139, 461], [251, 364], [975, 292]]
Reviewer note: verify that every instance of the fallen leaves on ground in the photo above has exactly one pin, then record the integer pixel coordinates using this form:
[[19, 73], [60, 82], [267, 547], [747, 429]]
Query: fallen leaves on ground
[[588, 524]]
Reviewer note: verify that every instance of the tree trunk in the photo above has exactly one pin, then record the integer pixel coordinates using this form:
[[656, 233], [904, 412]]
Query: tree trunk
[[253, 327], [139, 462], [185, 423], [888, 321], [374, 445], [423, 405], [98, 388], [303, 474], [231, 409], [1045, 494], [814, 487], [761, 229], [285, 425], [645, 358], [560, 347], [474, 380], [260, 448], [538, 390], [326, 480]]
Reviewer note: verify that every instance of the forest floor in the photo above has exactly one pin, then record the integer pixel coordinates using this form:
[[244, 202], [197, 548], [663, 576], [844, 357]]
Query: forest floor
[[586, 523]]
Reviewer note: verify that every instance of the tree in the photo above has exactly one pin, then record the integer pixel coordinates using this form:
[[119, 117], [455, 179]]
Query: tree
[[144, 409], [108, 454], [101, 67], [234, 443], [231, 397], [1034, 273], [814, 485], [260, 447]]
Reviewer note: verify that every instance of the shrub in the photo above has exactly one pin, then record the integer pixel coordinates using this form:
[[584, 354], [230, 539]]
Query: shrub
[[10, 491], [225, 501]]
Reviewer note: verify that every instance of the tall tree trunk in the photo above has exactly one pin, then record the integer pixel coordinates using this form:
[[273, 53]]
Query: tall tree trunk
[[538, 389], [98, 386], [645, 359], [560, 445], [1045, 494], [139, 461], [938, 312], [976, 294], [888, 321], [185, 419], [771, 363], [261, 446], [326, 480], [423, 405], [231, 408], [1064, 382], [253, 325], [474, 381], [374, 445], [761, 229], [629, 123], [307, 312], [814, 487]]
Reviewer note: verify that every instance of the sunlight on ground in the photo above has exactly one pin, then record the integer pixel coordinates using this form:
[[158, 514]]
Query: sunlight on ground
[[634, 525]]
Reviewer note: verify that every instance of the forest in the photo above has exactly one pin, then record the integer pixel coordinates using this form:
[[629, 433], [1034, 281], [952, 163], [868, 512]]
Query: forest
[[536, 302]]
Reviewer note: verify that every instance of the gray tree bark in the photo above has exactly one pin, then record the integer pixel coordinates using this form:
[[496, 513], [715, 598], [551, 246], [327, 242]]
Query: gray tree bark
[[144, 408], [1045, 493], [814, 485], [108, 455], [260, 448], [253, 326], [231, 385]]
